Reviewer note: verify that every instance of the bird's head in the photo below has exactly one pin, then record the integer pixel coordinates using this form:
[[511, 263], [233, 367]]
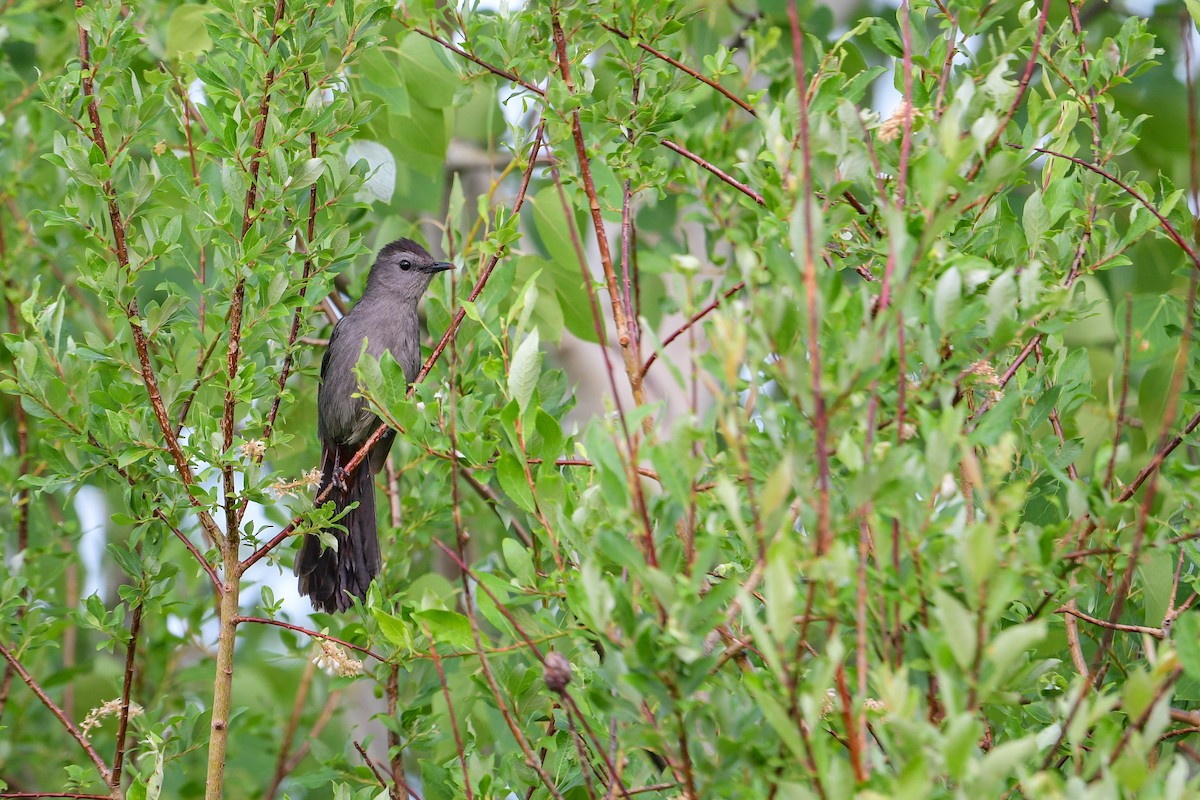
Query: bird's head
[[404, 269]]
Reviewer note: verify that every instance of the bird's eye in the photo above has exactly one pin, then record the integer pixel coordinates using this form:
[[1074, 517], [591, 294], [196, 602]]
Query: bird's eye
[[405, 264]]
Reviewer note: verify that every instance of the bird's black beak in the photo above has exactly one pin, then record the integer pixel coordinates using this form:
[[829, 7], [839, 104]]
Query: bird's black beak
[[439, 266]]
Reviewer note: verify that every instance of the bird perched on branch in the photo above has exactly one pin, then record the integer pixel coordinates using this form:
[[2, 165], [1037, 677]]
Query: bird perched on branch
[[385, 317]]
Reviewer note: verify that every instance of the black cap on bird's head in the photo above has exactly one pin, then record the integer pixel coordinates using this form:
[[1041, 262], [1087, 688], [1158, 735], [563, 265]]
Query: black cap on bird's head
[[404, 268]]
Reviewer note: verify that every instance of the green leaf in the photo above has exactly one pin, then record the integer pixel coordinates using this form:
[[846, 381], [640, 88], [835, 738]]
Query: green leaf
[[308, 173], [1012, 643], [947, 298], [394, 629], [957, 627], [553, 228], [1185, 635], [1155, 575], [519, 560], [780, 586], [1153, 392], [448, 627], [1193, 7], [513, 481], [1035, 218], [1001, 301], [430, 77], [524, 371], [186, 32]]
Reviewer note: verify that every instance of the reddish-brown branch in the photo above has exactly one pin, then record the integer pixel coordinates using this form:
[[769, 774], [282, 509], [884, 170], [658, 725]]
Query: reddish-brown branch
[[91, 100], [309, 632], [699, 315], [332, 703], [1157, 633], [289, 735], [395, 754], [852, 735], [453, 48], [749, 109], [58, 713], [305, 273], [489, 677], [1099, 666], [628, 249], [461, 538], [598, 325], [1144, 717], [629, 347], [1158, 459], [371, 764], [1168, 228], [613, 771], [820, 419], [458, 742], [233, 510], [135, 627], [1024, 83], [715, 170], [481, 282]]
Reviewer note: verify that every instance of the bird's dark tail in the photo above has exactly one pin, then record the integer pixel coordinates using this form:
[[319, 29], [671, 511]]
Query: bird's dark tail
[[328, 576]]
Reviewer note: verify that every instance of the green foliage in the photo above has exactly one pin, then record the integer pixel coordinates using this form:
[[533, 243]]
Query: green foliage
[[892, 489]]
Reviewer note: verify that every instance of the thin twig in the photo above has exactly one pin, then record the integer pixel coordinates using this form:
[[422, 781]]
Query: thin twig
[[820, 420], [76, 734], [1167, 227], [629, 346], [1126, 358], [699, 315], [749, 109], [715, 170], [289, 734], [309, 632], [135, 627], [1157, 633], [370, 764], [133, 316], [453, 48]]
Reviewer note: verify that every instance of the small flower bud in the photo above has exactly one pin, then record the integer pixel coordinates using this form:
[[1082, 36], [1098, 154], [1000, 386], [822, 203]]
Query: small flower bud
[[556, 672]]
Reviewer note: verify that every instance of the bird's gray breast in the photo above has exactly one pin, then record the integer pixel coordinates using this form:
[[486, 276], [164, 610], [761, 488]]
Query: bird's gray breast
[[384, 326]]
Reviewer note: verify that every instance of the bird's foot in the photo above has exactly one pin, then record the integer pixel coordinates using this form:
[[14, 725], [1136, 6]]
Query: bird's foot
[[339, 479]]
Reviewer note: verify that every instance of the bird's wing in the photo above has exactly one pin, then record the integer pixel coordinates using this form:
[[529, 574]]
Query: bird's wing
[[329, 347]]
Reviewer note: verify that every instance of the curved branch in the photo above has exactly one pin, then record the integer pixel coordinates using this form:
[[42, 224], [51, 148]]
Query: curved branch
[[749, 109], [58, 713]]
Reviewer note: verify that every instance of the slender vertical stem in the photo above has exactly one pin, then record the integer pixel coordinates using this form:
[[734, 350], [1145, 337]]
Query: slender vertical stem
[[289, 735], [395, 753], [819, 416], [1126, 357], [460, 537], [233, 358], [135, 627], [21, 507], [629, 348], [627, 241]]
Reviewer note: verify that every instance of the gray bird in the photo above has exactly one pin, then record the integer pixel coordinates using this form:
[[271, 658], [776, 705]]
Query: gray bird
[[385, 317]]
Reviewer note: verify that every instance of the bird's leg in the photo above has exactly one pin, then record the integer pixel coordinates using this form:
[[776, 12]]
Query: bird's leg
[[339, 474]]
